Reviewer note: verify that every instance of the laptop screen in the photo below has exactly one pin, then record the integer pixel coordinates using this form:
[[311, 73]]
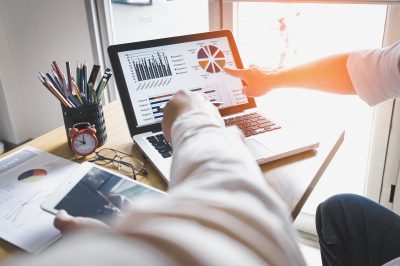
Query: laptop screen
[[153, 75]]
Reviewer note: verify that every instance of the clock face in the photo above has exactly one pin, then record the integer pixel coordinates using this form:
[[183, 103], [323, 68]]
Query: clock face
[[84, 143]]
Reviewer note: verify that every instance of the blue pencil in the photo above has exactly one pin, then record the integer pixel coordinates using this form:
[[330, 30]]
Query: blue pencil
[[57, 86]]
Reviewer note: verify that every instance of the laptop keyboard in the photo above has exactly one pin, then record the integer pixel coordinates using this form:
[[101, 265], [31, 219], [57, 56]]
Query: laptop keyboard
[[161, 145], [252, 124]]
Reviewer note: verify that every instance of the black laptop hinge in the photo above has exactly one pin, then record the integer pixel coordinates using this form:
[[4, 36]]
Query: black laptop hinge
[[392, 190]]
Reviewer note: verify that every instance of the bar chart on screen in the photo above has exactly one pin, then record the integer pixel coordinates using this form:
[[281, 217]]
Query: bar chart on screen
[[217, 92], [154, 68], [150, 65]]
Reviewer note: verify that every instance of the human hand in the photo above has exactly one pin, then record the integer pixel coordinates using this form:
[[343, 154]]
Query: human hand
[[67, 223], [258, 81], [182, 102]]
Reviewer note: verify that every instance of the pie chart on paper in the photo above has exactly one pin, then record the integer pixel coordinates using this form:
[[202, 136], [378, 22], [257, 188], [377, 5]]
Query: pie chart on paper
[[32, 175], [211, 59]]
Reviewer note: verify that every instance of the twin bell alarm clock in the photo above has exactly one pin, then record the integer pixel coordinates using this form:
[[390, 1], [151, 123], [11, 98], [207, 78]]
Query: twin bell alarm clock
[[83, 138]]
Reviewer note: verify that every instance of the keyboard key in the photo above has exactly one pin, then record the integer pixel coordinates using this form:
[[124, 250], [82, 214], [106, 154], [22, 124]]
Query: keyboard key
[[152, 139], [161, 145], [267, 124], [166, 155], [251, 124]]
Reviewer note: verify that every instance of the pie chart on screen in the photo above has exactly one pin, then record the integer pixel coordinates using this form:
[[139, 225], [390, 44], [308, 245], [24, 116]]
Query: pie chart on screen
[[32, 175], [211, 59]]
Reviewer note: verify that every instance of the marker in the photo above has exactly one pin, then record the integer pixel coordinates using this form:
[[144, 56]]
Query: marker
[[92, 81]]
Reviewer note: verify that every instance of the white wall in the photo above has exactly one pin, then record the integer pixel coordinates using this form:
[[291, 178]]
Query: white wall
[[162, 19], [32, 35]]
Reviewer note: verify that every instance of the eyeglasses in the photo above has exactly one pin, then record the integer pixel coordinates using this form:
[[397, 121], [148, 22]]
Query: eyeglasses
[[126, 163]]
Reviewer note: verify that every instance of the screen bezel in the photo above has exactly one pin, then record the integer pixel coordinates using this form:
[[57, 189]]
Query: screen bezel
[[113, 51]]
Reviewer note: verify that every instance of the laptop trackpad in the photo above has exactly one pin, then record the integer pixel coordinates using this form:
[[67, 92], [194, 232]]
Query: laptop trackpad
[[257, 149]]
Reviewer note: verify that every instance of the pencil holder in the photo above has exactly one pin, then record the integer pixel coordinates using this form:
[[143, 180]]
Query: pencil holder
[[92, 114]]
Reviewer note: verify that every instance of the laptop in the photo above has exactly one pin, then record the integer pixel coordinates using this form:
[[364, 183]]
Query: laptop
[[148, 74]]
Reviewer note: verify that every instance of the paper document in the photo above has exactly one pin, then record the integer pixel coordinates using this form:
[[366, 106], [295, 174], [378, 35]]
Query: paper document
[[26, 178]]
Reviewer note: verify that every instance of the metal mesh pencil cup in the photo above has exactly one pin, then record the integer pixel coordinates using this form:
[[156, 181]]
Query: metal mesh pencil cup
[[92, 114]]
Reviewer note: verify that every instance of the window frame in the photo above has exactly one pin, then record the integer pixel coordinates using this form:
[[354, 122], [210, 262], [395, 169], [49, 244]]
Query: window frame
[[102, 35], [383, 158]]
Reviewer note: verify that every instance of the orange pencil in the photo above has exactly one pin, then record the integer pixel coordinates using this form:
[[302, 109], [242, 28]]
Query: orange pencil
[[55, 92], [75, 87]]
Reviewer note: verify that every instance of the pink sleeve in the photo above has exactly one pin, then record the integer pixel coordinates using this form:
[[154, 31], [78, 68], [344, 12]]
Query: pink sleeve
[[375, 73]]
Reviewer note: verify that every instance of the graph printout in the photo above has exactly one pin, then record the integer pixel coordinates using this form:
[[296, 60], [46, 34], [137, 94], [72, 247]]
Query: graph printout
[[26, 178], [154, 74]]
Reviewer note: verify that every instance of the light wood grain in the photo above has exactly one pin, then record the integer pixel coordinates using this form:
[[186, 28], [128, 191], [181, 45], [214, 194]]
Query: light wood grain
[[293, 178]]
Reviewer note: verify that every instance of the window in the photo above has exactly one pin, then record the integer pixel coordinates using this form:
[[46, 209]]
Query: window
[[277, 35]]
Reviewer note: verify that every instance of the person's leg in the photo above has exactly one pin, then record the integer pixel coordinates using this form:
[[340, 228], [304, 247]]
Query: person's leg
[[354, 230]]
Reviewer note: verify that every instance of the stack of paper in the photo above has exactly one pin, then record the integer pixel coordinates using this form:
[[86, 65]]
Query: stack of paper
[[26, 178]]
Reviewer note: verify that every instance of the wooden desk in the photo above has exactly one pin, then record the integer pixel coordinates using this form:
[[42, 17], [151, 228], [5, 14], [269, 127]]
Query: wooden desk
[[293, 178]]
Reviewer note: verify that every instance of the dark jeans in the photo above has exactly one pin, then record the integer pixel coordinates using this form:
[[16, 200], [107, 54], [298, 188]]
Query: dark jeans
[[354, 230]]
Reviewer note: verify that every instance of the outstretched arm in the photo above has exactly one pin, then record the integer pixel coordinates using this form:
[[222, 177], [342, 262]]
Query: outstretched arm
[[373, 74], [328, 74]]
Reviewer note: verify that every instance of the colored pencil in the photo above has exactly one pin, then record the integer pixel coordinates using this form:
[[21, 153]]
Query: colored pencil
[[69, 85], [56, 93], [75, 93]]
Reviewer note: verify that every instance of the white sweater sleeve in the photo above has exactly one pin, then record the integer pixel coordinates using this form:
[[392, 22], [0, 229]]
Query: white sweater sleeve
[[375, 73], [219, 211]]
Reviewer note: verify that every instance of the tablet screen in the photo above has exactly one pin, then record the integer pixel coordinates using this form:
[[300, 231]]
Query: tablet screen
[[102, 195]]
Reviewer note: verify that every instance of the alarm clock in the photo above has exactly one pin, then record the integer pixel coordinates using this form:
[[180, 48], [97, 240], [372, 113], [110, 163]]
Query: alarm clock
[[84, 140]]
